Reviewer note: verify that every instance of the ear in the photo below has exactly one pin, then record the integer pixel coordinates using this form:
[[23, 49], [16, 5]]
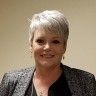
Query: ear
[[65, 46]]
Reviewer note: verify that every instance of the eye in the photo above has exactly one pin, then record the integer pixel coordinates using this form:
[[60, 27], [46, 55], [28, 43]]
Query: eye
[[56, 41], [40, 41]]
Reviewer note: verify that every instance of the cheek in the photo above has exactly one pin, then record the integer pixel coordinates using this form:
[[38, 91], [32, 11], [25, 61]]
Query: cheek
[[61, 50], [37, 49]]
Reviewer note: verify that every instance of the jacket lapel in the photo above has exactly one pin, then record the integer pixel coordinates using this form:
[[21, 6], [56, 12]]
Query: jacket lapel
[[73, 81], [23, 82]]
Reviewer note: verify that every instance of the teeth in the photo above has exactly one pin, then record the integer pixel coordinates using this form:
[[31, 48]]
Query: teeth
[[47, 56]]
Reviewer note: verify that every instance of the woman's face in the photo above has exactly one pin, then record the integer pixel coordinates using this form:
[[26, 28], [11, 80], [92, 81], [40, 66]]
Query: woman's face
[[47, 48]]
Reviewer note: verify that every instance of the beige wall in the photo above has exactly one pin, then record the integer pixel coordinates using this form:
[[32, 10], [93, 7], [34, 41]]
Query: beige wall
[[14, 14]]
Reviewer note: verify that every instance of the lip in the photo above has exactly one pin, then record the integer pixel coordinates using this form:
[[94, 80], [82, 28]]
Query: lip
[[47, 56]]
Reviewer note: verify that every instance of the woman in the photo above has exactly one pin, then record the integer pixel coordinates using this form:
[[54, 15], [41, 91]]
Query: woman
[[49, 32]]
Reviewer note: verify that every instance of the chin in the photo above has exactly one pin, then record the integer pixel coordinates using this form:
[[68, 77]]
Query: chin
[[47, 64]]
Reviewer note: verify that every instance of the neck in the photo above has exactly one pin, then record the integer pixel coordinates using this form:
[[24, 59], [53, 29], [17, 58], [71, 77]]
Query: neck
[[48, 73]]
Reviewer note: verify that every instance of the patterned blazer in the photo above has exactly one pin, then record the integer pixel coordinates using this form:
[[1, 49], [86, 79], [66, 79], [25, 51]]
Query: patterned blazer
[[81, 83]]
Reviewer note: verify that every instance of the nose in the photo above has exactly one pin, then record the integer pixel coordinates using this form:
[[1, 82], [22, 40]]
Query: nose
[[47, 46]]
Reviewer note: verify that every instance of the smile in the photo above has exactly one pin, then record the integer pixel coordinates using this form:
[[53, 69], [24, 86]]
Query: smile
[[47, 56]]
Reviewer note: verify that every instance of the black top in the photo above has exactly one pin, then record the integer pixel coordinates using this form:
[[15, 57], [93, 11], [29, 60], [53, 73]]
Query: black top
[[58, 88]]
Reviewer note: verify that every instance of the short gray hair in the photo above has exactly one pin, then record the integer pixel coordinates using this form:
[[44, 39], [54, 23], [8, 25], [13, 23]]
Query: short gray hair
[[50, 21]]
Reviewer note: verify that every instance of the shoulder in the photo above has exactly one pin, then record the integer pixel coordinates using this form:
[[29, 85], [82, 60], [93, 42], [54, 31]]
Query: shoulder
[[16, 74], [80, 79], [10, 80], [81, 74], [20, 71], [83, 78]]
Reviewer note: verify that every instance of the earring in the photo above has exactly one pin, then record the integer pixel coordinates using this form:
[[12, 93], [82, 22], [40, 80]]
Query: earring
[[63, 57]]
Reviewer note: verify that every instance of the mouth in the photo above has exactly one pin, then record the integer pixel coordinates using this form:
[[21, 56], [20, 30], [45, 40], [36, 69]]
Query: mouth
[[48, 56]]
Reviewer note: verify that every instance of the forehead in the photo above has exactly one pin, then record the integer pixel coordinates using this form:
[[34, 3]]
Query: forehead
[[47, 34]]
